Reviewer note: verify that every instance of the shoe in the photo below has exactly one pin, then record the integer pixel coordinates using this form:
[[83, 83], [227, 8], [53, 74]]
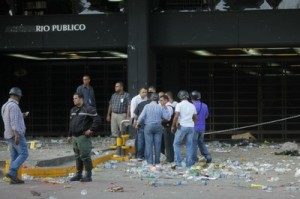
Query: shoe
[[14, 179], [174, 166], [86, 179], [18, 182], [77, 177], [113, 136], [79, 168], [88, 164], [208, 160]]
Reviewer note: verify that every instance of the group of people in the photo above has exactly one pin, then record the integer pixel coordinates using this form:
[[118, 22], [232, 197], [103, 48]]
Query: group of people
[[160, 122]]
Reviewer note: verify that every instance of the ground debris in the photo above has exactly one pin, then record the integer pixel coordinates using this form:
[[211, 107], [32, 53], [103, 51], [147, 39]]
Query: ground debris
[[35, 193], [115, 189], [289, 148], [243, 136]]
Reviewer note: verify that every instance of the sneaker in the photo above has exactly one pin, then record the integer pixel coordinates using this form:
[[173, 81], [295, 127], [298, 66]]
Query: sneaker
[[113, 136]]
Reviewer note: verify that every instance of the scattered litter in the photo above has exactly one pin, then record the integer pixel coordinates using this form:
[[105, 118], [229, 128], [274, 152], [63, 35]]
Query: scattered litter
[[292, 188], [297, 174], [289, 148], [237, 167], [35, 193], [273, 179], [156, 183], [83, 192], [67, 186], [181, 182], [222, 151], [115, 189], [257, 186], [27, 177], [243, 136], [97, 169]]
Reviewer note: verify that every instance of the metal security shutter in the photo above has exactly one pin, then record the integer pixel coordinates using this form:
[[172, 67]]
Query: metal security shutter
[[49, 87], [244, 94]]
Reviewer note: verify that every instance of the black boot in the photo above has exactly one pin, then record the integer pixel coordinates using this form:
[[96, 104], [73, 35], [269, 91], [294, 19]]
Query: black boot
[[79, 168], [88, 169]]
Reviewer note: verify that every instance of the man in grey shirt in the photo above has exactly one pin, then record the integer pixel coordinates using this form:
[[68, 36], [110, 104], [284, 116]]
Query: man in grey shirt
[[14, 133]]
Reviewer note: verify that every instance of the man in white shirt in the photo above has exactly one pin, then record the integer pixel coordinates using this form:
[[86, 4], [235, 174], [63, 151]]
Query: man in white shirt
[[142, 96], [184, 119], [171, 98]]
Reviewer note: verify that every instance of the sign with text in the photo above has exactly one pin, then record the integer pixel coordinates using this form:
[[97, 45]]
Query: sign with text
[[47, 28]]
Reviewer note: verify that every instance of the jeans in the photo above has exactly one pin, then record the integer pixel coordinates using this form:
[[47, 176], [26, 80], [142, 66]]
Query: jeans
[[169, 139], [18, 154], [199, 142], [153, 134], [141, 143], [179, 135]]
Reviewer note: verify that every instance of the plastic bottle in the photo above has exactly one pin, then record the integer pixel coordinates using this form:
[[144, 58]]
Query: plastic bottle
[[181, 182], [204, 181], [156, 183]]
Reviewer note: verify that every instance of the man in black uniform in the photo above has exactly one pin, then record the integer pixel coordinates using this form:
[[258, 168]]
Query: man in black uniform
[[84, 120]]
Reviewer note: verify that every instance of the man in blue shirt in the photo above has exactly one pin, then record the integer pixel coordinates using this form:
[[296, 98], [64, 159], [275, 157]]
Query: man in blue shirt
[[198, 140], [87, 91], [140, 140], [152, 116]]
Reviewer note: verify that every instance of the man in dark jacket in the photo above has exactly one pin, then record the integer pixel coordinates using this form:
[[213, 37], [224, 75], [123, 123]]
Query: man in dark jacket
[[84, 120]]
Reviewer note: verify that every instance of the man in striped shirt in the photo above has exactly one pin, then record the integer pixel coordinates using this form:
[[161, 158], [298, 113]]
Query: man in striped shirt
[[119, 108], [14, 133]]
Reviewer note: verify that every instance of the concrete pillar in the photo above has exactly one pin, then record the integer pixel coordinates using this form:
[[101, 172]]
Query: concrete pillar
[[141, 70]]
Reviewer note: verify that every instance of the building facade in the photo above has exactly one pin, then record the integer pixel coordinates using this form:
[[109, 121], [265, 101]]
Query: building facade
[[243, 56]]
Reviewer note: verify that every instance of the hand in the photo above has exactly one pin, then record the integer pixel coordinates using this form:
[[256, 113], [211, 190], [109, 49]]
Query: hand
[[17, 139], [88, 133], [25, 114], [108, 118], [135, 125], [173, 129], [69, 139]]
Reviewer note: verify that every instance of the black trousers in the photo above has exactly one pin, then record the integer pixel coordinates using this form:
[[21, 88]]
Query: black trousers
[[168, 142]]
